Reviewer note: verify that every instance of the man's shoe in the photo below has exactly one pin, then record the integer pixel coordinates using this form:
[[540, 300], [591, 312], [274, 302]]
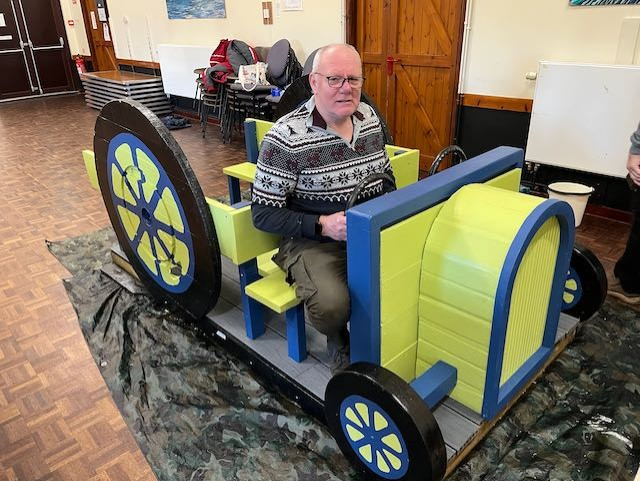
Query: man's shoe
[[339, 356], [615, 289], [339, 362]]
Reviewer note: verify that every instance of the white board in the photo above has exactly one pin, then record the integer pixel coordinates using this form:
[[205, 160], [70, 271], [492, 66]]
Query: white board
[[583, 116], [177, 63]]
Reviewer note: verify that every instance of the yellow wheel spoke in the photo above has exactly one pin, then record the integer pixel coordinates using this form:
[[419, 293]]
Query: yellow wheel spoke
[[130, 221], [146, 254], [382, 464], [151, 174], [354, 434], [168, 212], [363, 410], [393, 442], [365, 452], [379, 422], [393, 459], [351, 416]]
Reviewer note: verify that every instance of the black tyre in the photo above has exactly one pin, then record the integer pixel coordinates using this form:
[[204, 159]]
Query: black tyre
[[388, 185], [383, 426], [456, 153], [586, 286], [156, 207]]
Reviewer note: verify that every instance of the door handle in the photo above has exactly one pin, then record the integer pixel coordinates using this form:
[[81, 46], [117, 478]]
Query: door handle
[[61, 42]]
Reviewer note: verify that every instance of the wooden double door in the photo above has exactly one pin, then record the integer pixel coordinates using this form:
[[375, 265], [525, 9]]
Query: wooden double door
[[34, 56], [411, 56]]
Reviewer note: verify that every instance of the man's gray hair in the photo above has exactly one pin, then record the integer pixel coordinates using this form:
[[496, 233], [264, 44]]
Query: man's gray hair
[[321, 51]]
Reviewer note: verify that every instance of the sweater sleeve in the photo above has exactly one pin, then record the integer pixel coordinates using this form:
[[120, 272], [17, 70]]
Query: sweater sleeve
[[635, 142], [276, 178], [283, 221]]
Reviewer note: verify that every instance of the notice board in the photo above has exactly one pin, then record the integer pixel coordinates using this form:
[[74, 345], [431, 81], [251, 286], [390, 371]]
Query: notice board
[[583, 116]]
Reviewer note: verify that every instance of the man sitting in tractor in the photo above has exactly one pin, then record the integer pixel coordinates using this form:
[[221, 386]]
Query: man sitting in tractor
[[309, 163]]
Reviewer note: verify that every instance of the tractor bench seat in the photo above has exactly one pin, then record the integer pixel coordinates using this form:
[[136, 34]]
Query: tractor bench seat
[[274, 292], [266, 265], [235, 173], [243, 171]]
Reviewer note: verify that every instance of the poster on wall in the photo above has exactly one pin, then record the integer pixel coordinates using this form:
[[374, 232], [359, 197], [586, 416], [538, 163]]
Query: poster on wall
[[292, 5], [580, 3], [181, 9]]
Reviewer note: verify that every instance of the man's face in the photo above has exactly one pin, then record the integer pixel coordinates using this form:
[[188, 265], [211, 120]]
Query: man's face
[[336, 104]]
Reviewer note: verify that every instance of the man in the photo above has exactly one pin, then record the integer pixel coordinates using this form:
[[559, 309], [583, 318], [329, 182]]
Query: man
[[627, 270], [309, 163]]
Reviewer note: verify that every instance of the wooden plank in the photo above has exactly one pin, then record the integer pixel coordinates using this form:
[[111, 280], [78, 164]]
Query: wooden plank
[[497, 103], [463, 411], [456, 429], [566, 324]]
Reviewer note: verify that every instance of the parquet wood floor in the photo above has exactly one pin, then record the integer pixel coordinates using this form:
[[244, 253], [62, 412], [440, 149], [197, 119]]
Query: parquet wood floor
[[57, 419]]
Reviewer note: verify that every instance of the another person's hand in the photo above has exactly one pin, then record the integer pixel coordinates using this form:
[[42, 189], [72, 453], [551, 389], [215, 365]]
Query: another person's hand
[[633, 166], [334, 226]]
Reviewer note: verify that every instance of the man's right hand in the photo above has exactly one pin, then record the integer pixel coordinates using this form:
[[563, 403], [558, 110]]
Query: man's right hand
[[334, 226], [633, 166]]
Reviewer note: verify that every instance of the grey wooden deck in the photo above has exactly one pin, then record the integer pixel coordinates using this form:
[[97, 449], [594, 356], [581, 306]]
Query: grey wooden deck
[[459, 425]]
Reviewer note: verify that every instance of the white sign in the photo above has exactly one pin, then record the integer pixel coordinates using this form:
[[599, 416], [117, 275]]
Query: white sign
[[292, 5], [94, 23], [102, 14], [6, 37], [105, 31], [2, 22]]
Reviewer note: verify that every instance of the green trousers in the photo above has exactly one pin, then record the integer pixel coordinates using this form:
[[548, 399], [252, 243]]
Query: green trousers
[[319, 270]]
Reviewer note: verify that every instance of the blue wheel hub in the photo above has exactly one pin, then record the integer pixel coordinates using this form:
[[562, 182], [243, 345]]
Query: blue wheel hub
[[149, 210], [572, 290], [374, 437]]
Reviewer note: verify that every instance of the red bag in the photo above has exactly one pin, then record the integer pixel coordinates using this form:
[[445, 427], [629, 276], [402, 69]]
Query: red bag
[[220, 53]]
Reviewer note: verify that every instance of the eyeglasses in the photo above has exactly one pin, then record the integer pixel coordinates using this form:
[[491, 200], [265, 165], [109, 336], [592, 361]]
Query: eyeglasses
[[336, 82]]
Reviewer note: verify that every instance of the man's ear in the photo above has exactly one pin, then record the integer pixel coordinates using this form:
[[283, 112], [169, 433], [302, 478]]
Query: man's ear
[[313, 82]]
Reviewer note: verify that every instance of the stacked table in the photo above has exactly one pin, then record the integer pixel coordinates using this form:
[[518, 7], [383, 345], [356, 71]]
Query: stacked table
[[102, 87]]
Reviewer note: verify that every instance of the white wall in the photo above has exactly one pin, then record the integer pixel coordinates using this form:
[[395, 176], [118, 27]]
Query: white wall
[[76, 33], [138, 27], [508, 37]]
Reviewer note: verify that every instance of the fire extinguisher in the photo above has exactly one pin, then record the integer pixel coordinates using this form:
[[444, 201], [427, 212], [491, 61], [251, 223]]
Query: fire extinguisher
[[80, 64]]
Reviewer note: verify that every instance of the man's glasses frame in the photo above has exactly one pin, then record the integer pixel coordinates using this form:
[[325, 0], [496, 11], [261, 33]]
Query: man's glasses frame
[[336, 81]]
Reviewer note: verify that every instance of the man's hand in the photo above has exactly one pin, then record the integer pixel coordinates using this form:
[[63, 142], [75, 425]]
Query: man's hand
[[633, 166], [334, 226]]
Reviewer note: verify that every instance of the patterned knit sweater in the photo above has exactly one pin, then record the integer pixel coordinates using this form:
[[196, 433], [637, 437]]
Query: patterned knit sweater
[[305, 171]]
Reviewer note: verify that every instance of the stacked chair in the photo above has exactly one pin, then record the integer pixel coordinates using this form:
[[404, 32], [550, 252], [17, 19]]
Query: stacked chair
[[283, 68]]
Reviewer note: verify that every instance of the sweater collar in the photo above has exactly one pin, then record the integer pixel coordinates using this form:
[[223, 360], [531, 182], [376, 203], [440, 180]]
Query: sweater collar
[[315, 119]]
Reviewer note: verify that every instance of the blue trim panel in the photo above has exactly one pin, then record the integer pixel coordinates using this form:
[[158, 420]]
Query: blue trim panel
[[366, 220], [523, 375], [435, 383], [251, 141], [251, 309], [296, 338], [234, 190], [495, 397]]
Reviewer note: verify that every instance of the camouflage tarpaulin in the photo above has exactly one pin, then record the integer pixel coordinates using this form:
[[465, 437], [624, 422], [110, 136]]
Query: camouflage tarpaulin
[[196, 412], [200, 414]]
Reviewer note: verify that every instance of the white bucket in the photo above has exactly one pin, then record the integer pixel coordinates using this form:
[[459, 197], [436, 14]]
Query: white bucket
[[576, 195]]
